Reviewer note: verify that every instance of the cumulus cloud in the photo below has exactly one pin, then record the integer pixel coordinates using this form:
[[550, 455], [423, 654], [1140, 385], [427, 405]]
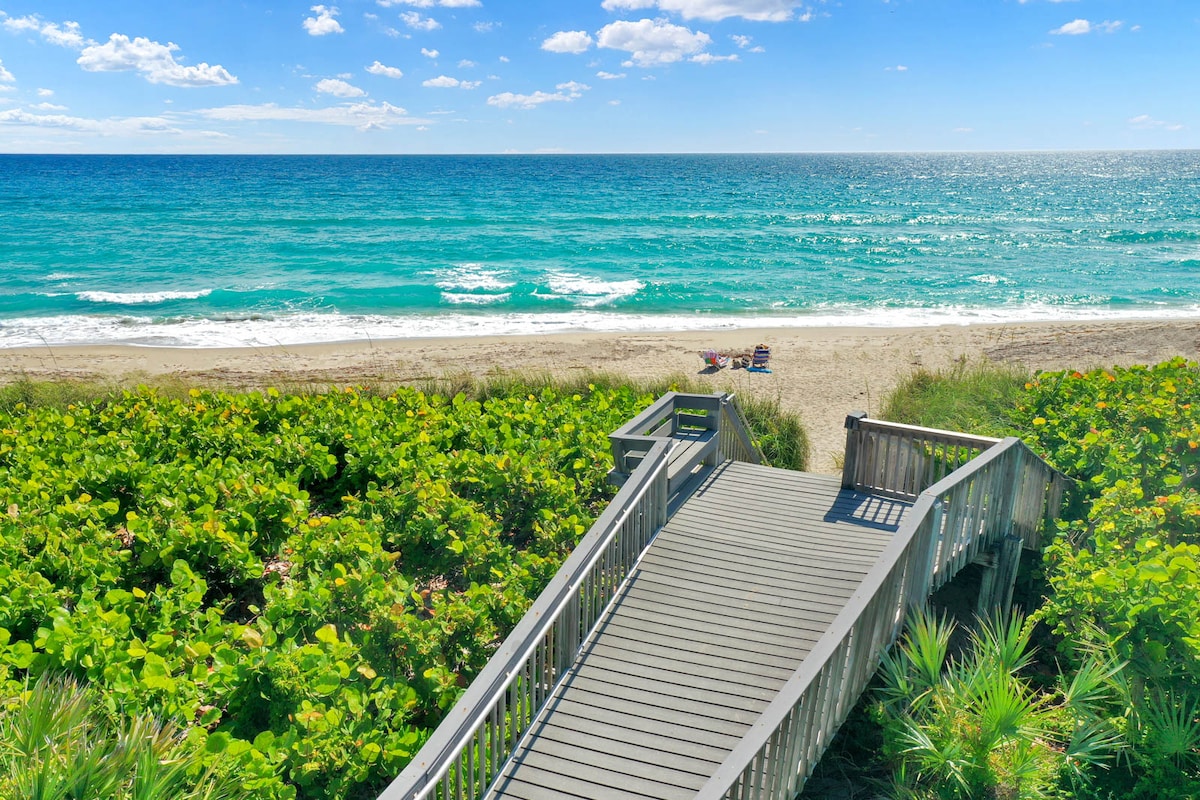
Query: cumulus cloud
[[466, 63], [447, 82], [338, 88], [485, 27], [323, 23], [743, 42], [48, 107], [66, 34], [566, 92], [652, 43], [609, 76], [364, 115], [1147, 122], [429, 53], [153, 61], [415, 21], [388, 72], [1078, 27], [5, 75], [568, 42], [716, 10], [45, 93]]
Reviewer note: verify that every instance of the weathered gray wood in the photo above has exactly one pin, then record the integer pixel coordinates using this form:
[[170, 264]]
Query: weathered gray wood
[[695, 603], [735, 644]]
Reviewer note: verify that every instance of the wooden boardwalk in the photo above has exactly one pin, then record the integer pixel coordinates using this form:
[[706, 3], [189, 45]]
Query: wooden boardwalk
[[713, 629], [724, 606]]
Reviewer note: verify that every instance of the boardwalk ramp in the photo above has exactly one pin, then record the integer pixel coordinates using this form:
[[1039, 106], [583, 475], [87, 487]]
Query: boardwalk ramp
[[718, 622]]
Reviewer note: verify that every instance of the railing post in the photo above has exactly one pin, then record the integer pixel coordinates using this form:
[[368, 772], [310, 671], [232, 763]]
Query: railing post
[[850, 462]]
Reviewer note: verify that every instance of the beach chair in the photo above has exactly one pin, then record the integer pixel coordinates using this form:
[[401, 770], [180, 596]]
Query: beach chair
[[758, 362], [714, 359]]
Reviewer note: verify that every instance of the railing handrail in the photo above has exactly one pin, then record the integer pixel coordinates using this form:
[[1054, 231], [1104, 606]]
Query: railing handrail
[[448, 740], [967, 439], [774, 716]]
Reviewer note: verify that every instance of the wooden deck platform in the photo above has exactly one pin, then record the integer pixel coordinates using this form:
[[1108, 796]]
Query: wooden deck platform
[[722, 609]]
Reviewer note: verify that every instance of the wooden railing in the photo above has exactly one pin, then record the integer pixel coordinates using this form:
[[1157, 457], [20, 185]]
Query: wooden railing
[[467, 751], [1005, 488], [901, 461], [703, 429]]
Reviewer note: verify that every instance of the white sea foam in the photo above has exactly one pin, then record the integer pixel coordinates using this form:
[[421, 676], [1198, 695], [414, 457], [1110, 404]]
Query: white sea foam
[[472, 277], [140, 298], [989, 279], [291, 329], [474, 299], [589, 292], [62, 276]]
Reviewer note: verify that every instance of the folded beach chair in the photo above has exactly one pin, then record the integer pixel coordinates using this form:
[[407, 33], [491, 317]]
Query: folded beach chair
[[714, 359], [758, 362]]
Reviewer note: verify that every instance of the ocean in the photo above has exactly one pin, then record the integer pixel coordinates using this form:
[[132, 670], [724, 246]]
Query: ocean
[[216, 251]]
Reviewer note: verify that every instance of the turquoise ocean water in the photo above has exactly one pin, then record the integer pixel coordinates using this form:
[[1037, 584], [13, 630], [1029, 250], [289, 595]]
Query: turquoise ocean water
[[241, 250]]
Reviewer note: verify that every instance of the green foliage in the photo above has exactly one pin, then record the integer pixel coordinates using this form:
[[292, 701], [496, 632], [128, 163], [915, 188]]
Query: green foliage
[[306, 582], [973, 397], [58, 745], [1125, 569], [974, 726]]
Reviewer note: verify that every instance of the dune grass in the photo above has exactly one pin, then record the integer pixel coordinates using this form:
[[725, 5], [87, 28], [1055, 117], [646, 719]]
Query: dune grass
[[971, 396]]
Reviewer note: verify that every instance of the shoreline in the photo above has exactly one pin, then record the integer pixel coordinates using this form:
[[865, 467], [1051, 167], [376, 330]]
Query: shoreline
[[823, 373]]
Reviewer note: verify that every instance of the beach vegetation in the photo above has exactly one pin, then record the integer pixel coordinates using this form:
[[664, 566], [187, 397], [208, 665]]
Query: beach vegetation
[[298, 585], [974, 725], [972, 396], [1119, 579]]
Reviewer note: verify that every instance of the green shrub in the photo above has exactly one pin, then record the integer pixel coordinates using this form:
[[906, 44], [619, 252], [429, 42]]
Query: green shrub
[[973, 726]]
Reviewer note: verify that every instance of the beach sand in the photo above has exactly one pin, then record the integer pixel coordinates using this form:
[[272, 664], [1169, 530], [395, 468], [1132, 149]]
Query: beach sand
[[822, 373]]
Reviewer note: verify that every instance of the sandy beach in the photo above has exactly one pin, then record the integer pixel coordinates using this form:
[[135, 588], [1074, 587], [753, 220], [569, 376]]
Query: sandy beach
[[823, 373]]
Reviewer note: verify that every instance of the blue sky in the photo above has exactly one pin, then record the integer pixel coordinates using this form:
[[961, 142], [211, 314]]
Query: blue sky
[[494, 76]]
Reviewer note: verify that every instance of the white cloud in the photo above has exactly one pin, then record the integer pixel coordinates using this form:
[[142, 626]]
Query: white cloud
[[447, 82], [5, 75], [431, 3], [566, 93], [338, 88], [652, 43], [66, 34], [568, 42], [485, 27], [429, 53], [364, 115], [45, 93], [388, 72], [323, 23], [897, 68], [1146, 122], [709, 58], [415, 21], [609, 76], [715, 10], [153, 61], [466, 63], [1078, 27], [114, 126], [48, 107], [503, 59]]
